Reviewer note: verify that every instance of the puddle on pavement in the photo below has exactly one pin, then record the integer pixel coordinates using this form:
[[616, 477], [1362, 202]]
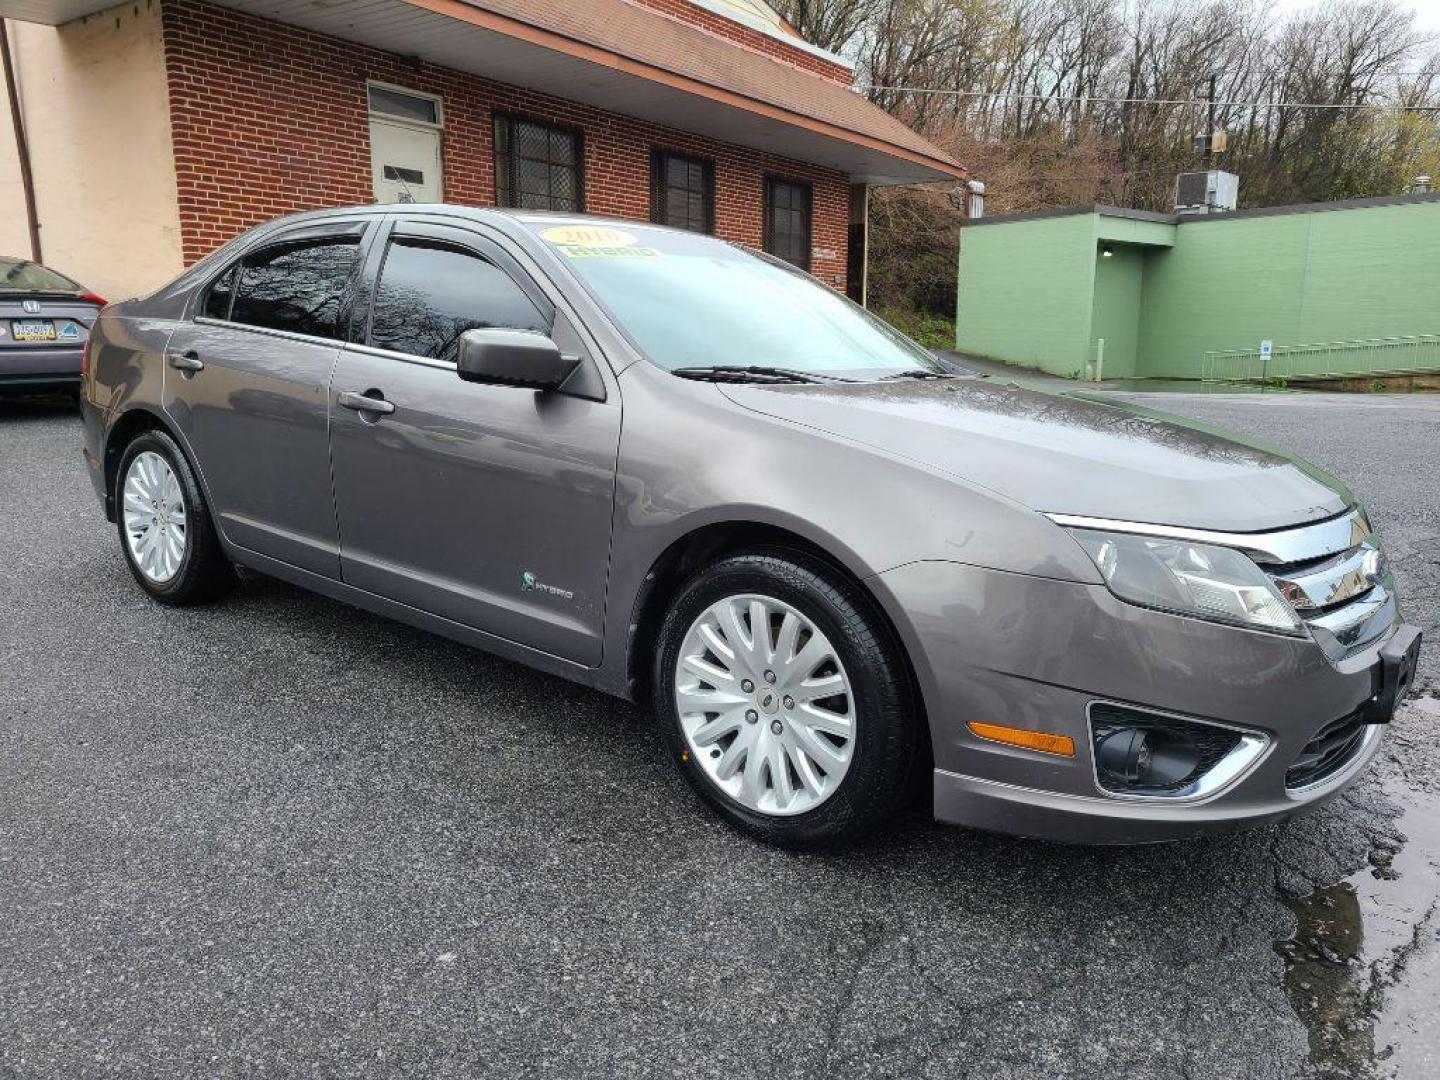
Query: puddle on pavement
[[1363, 968]]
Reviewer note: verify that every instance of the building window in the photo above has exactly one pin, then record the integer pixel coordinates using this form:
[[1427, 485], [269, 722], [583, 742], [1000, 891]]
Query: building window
[[400, 104], [682, 191], [787, 220], [537, 166]]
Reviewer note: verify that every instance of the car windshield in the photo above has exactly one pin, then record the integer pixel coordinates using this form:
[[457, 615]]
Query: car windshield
[[695, 302], [18, 275]]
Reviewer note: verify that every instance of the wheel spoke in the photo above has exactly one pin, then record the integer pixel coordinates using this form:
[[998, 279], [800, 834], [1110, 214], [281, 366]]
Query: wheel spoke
[[831, 723], [780, 780], [707, 672], [732, 758], [817, 689], [718, 728], [700, 700], [821, 750], [809, 779], [752, 787]]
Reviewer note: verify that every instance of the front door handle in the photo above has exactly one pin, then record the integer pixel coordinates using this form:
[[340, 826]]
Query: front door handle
[[370, 402], [188, 361]]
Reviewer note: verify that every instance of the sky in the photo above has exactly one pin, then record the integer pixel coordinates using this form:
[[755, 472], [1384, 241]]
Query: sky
[[1427, 11]]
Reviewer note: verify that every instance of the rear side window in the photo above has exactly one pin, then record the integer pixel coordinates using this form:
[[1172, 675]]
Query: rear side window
[[430, 294], [300, 287]]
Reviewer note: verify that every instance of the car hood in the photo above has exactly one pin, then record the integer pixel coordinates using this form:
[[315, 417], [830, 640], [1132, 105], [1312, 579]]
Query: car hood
[[1063, 453]]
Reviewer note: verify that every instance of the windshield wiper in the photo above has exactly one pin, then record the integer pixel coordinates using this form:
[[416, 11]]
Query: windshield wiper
[[753, 373], [917, 373]]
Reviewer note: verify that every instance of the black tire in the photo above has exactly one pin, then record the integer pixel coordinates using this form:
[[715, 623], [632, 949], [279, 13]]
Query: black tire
[[205, 574], [883, 771]]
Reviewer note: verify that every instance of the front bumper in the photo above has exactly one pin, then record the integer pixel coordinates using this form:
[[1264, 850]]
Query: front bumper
[[1036, 653]]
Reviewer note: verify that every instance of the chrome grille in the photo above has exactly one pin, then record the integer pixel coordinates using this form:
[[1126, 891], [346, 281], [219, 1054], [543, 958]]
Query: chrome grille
[[1334, 575]]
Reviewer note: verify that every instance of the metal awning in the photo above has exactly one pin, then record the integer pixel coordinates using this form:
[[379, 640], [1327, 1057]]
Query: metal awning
[[615, 56]]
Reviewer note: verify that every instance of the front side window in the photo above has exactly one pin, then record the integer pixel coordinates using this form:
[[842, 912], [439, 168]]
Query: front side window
[[682, 192], [300, 287], [695, 301], [430, 294], [537, 166], [787, 220], [218, 296]]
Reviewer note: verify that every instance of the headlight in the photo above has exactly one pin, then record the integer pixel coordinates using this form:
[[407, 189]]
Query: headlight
[[1202, 580]]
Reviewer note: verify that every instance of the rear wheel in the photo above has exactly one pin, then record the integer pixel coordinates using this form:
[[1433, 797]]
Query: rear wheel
[[165, 528], [786, 700]]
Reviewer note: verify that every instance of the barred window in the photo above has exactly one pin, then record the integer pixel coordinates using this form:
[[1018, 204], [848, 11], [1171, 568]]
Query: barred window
[[787, 220], [537, 166], [682, 191]]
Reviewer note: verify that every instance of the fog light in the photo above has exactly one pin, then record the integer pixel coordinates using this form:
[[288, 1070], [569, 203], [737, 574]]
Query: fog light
[[1144, 759], [1143, 753]]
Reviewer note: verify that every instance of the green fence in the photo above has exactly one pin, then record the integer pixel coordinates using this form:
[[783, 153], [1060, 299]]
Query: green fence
[[1415, 354]]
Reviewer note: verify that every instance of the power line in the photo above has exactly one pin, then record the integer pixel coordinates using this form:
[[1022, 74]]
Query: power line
[[1145, 100]]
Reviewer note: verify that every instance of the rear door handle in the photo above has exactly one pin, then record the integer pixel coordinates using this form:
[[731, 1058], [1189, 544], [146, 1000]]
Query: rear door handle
[[366, 403], [186, 361]]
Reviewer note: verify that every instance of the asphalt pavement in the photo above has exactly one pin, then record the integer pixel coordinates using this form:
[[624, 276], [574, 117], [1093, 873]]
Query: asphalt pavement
[[278, 837]]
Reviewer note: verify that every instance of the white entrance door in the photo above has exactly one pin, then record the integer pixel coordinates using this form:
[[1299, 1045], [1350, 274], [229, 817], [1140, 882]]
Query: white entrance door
[[405, 163]]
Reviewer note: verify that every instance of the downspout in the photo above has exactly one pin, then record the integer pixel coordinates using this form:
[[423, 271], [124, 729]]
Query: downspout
[[22, 145]]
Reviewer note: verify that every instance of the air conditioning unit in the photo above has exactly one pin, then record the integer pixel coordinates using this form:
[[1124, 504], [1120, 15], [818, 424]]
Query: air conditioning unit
[[1210, 192]]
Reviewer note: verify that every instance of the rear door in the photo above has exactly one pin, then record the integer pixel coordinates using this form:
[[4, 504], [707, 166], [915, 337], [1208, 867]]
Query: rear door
[[247, 380], [487, 505]]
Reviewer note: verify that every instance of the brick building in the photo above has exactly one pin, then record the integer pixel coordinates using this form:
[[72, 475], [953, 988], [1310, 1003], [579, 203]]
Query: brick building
[[158, 129]]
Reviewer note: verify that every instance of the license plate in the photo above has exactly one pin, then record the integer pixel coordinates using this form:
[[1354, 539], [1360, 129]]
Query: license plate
[[32, 331]]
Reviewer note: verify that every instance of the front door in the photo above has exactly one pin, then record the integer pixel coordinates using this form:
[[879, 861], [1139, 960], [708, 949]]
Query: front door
[[405, 162], [486, 505]]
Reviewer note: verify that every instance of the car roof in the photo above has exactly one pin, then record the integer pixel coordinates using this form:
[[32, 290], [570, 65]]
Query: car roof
[[476, 213]]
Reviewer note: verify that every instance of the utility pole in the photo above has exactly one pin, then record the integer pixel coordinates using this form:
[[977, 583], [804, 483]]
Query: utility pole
[[22, 148]]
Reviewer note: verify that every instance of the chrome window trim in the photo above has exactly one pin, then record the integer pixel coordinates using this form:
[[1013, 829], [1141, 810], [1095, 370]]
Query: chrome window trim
[[404, 357], [288, 335], [1239, 763], [1299, 544]]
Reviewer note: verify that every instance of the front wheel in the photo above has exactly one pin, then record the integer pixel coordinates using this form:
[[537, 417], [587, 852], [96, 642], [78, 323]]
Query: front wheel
[[786, 700], [165, 529]]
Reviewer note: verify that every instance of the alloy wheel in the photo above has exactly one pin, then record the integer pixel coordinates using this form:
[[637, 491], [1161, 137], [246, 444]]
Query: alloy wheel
[[765, 704], [153, 508]]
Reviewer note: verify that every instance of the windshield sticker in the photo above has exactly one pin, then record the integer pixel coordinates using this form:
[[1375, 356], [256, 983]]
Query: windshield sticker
[[593, 251], [589, 236]]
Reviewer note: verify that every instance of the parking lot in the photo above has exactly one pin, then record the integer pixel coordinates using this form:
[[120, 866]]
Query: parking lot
[[279, 837]]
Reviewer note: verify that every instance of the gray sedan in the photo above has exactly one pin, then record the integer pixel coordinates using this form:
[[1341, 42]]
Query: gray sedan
[[45, 319], [688, 474]]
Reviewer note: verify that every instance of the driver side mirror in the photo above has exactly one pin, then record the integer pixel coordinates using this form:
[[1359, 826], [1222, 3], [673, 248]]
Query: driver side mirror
[[513, 358]]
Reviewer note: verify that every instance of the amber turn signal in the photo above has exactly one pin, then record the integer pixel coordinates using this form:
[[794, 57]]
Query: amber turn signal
[[1043, 741]]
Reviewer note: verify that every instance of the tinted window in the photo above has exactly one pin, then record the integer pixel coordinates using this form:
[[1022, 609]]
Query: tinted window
[[217, 300], [682, 192], [428, 296], [537, 166], [787, 220], [300, 287]]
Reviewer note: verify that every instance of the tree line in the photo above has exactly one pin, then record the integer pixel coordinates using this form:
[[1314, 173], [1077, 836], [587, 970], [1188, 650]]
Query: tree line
[[1064, 102]]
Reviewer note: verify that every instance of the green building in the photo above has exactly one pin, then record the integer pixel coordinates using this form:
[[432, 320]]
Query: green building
[[1325, 289]]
